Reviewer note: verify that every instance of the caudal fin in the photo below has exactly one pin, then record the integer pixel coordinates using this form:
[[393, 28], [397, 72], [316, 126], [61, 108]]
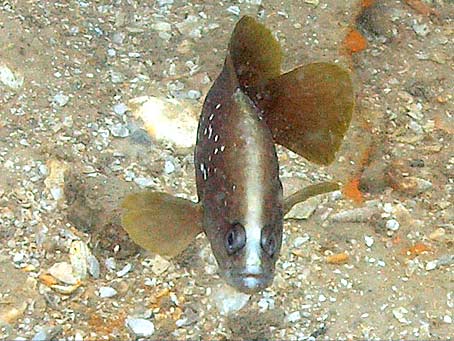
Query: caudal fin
[[161, 223], [309, 110]]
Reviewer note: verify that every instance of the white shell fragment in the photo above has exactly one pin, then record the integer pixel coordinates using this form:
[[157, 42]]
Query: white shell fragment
[[106, 292], [9, 78], [140, 327], [63, 271], [228, 300], [167, 120], [82, 260]]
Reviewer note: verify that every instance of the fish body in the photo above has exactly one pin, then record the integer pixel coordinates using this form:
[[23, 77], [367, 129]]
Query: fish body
[[250, 108], [237, 175]]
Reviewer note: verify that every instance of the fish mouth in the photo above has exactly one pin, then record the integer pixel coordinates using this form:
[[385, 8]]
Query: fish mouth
[[249, 282]]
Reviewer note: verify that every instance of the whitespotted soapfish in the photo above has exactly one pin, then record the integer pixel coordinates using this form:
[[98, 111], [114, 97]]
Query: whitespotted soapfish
[[250, 108]]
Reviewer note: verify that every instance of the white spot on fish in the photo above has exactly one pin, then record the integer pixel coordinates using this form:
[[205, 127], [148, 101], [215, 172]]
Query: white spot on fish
[[211, 117], [210, 131], [233, 187], [218, 106], [216, 138], [205, 131], [222, 148], [216, 150]]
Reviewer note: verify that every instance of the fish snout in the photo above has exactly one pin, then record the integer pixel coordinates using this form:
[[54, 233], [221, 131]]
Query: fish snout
[[251, 280]]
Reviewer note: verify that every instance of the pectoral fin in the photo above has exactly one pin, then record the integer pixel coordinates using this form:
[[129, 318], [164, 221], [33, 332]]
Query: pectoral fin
[[160, 222], [309, 110]]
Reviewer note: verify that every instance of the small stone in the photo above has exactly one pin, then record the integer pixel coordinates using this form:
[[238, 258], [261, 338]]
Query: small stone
[[432, 265], [169, 167], [421, 30], [312, 2], [119, 130], [392, 224], [110, 264], [9, 78], [437, 234], [228, 300], [447, 319], [116, 76], [63, 271], [293, 317], [120, 108], [140, 327], [162, 26], [125, 270], [61, 99], [93, 266], [322, 298], [106, 292], [301, 240], [144, 182], [388, 207], [369, 241], [159, 265], [47, 333], [305, 209], [78, 254], [399, 313], [234, 10], [194, 94]]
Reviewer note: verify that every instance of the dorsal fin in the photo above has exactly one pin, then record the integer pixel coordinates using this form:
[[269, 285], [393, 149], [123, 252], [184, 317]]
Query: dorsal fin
[[256, 55], [307, 109]]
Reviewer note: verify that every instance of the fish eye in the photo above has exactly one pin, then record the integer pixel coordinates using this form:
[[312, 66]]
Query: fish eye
[[235, 239], [269, 241]]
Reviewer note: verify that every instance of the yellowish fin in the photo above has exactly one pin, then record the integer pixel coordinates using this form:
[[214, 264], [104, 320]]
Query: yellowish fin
[[160, 222], [309, 110]]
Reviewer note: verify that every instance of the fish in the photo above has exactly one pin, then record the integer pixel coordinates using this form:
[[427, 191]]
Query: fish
[[251, 107]]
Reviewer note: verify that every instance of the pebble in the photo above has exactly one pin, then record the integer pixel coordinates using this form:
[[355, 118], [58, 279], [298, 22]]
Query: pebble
[[228, 300], [159, 265], [234, 10], [399, 313], [106, 292], [301, 240], [123, 272], [168, 120], [144, 182], [93, 266], [421, 30], [120, 108], [356, 215], [369, 241], [293, 317], [447, 319], [61, 99], [47, 333], [79, 254], [119, 130], [194, 94], [392, 224], [169, 167], [63, 271], [9, 78], [305, 209], [140, 327]]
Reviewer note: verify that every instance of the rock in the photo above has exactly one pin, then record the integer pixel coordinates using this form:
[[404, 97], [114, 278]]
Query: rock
[[168, 120], [79, 254], [120, 108], [293, 317], [373, 179], [305, 209], [47, 333], [140, 327], [119, 130], [9, 78], [63, 271], [369, 241], [60, 99], [55, 181], [392, 224], [356, 215], [106, 292], [399, 313], [159, 265], [228, 300], [126, 269]]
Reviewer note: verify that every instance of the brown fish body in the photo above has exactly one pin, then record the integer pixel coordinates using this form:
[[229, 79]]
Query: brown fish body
[[250, 107], [237, 175]]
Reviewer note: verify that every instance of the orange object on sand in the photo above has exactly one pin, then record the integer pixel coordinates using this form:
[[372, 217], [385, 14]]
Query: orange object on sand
[[354, 42]]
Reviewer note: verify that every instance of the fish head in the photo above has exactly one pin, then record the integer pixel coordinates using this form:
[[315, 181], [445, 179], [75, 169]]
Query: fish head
[[246, 242]]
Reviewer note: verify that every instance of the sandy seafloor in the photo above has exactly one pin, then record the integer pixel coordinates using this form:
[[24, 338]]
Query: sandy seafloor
[[71, 148]]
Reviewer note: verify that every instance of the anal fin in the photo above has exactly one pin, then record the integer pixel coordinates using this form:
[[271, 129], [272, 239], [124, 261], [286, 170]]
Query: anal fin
[[161, 223]]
